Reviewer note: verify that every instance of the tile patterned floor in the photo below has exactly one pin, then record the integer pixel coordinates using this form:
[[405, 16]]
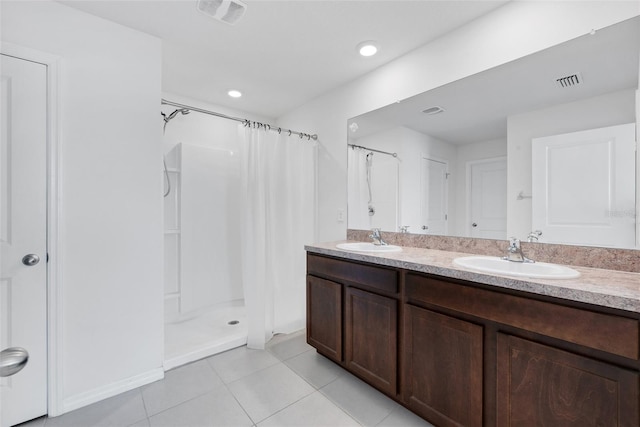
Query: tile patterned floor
[[288, 384]]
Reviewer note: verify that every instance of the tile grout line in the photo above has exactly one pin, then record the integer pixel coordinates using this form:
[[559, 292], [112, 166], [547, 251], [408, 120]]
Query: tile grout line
[[292, 403], [316, 390], [185, 401], [253, 423], [144, 404]]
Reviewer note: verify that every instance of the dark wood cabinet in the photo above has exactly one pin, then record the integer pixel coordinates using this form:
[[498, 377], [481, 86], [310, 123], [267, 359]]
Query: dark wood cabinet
[[324, 317], [460, 353], [371, 338], [352, 318], [443, 368], [542, 386]]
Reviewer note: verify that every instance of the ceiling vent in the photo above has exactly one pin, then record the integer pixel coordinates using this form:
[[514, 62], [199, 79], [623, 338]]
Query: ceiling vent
[[433, 110], [568, 81], [229, 11]]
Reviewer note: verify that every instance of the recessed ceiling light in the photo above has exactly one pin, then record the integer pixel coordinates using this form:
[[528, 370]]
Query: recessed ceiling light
[[234, 93], [368, 48]]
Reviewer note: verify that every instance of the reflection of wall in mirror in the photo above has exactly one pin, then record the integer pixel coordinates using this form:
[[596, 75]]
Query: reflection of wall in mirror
[[638, 163], [601, 111], [412, 147], [416, 147]]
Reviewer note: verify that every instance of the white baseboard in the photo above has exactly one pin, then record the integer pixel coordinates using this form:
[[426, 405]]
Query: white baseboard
[[110, 390], [292, 327]]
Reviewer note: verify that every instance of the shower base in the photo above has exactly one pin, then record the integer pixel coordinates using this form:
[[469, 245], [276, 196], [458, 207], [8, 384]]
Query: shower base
[[209, 333]]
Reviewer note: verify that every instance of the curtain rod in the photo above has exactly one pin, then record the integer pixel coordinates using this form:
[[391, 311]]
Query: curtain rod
[[246, 122], [371, 149]]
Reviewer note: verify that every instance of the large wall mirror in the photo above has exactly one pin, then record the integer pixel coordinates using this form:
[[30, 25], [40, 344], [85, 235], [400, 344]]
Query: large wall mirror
[[541, 148]]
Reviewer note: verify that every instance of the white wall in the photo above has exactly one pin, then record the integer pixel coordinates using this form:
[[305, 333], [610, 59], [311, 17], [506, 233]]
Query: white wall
[[111, 197], [510, 32], [606, 110]]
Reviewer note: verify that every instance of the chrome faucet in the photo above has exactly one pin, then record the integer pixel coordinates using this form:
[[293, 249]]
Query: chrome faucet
[[514, 252], [377, 237]]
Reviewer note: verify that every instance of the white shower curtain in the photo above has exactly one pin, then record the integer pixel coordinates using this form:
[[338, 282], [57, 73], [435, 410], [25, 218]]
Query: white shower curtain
[[278, 219]]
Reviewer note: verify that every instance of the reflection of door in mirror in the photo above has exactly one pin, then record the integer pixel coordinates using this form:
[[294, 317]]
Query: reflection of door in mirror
[[593, 202], [487, 198], [373, 190], [434, 195]]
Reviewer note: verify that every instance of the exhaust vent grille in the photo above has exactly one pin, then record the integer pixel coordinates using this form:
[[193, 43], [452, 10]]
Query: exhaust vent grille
[[229, 11], [568, 81], [433, 110]]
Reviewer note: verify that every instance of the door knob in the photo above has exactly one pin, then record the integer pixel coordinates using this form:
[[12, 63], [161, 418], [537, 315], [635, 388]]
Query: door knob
[[474, 225], [30, 260], [12, 360]]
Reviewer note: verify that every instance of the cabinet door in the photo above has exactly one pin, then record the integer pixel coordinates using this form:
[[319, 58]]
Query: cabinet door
[[371, 338], [540, 385], [324, 317], [442, 368]]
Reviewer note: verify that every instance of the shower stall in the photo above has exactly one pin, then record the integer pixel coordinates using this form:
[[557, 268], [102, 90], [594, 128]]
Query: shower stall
[[204, 305]]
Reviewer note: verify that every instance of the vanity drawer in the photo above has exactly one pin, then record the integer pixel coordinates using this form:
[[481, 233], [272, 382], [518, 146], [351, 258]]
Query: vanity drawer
[[613, 334], [367, 276]]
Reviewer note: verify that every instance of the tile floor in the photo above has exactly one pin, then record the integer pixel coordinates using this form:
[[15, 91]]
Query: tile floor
[[288, 384]]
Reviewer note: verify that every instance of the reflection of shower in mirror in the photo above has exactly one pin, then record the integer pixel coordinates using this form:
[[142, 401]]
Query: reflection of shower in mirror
[[373, 194], [370, 208]]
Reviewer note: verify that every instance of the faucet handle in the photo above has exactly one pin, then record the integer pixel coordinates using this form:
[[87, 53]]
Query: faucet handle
[[534, 236]]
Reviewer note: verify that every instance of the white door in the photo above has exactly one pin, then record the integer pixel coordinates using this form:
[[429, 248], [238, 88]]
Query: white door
[[434, 197], [593, 201], [487, 199], [23, 201]]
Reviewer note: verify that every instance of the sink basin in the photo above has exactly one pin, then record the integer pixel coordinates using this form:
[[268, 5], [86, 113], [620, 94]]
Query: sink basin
[[539, 270], [367, 247]]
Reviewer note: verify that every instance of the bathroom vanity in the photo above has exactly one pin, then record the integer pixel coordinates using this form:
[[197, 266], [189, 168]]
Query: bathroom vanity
[[461, 348]]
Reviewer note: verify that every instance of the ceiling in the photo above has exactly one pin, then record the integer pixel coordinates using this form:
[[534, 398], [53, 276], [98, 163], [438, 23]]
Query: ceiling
[[477, 107], [281, 54]]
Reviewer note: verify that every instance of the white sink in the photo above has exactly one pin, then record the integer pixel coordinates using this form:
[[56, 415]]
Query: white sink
[[367, 247], [540, 270]]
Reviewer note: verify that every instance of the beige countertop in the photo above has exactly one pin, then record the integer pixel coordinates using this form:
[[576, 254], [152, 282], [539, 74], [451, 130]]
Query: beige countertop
[[607, 288]]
